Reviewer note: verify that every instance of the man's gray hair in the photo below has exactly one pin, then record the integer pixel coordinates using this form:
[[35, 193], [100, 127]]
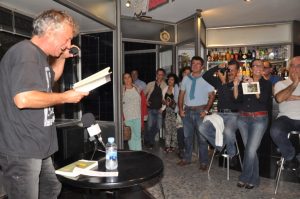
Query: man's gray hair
[[53, 19]]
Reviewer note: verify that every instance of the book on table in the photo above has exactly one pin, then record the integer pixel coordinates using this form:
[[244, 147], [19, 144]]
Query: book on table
[[70, 171], [84, 167], [93, 81]]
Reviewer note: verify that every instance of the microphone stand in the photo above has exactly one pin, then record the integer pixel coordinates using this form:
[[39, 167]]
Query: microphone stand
[[97, 142]]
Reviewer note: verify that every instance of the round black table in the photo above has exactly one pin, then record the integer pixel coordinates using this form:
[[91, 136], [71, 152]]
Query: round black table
[[134, 167]]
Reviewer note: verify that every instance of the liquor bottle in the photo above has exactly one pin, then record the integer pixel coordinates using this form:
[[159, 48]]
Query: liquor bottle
[[257, 53], [266, 54], [249, 54], [240, 54], [244, 70], [276, 53], [253, 54], [236, 55], [248, 71], [227, 55], [209, 58], [231, 54], [261, 54], [244, 56]]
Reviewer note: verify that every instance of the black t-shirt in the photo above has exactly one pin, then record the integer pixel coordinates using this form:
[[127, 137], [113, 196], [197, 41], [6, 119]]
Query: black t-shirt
[[155, 98], [28, 133], [225, 91]]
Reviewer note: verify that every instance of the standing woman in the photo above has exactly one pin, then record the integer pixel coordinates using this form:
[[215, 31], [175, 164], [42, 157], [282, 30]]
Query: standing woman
[[132, 111], [252, 122], [169, 101]]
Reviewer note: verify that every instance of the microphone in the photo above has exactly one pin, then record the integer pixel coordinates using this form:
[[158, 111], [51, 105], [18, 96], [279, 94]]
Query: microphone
[[93, 129], [74, 51]]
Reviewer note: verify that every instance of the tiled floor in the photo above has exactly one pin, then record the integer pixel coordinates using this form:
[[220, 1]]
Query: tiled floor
[[190, 183]]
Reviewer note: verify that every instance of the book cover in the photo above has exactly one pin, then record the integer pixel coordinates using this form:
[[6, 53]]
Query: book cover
[[93, 81], [70, 171]]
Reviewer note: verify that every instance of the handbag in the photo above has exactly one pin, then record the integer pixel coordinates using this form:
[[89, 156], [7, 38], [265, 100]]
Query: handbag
[[126, 133]]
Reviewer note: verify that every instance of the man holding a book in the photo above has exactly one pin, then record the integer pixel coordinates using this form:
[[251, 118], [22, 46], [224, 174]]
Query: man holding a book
[[27, 131]]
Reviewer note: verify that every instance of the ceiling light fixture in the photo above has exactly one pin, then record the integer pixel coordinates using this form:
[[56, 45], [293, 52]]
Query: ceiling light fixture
[[128, 4], [247, 1]]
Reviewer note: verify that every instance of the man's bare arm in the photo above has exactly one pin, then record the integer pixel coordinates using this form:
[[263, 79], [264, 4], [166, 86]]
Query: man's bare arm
[[38, 99]]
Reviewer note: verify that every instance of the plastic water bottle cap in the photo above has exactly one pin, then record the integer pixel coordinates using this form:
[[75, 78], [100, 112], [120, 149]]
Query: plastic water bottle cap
[[111, 139]]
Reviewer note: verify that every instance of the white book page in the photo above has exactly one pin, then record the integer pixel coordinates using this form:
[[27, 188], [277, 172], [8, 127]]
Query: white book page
[[93, 81]]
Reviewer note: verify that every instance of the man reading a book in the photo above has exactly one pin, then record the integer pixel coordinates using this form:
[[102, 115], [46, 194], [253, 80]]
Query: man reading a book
[[27, 131]]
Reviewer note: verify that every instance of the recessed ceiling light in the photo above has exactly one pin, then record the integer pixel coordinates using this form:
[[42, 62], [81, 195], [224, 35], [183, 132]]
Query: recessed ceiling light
[[128, 4], [247, 1]]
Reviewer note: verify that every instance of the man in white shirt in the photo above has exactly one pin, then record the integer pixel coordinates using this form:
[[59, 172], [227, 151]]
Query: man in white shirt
[[287, 94]]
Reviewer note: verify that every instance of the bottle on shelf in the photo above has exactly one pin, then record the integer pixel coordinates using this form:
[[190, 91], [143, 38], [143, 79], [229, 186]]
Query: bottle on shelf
[[261, 54], [111, 158], [253, 54], [231, 54], [236, 54], [249, 54], [244, 70], [227, 55], [266, 54], [248, 71], [244, 56], [257, 53], [240, 54], [209, 58]]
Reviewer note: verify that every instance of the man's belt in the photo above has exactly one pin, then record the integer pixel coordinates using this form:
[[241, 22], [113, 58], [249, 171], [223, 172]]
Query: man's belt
[[195, 108], [227, 111], [253, 114]]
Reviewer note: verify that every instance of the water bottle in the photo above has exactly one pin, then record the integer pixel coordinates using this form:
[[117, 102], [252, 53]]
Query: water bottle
[[111, 162]]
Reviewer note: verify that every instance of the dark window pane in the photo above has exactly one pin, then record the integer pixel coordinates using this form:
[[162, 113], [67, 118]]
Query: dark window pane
[[97, 54]]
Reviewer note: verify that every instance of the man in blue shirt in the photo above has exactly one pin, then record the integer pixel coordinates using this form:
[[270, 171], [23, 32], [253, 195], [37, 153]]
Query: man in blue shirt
[[139, 83], [197, 95]]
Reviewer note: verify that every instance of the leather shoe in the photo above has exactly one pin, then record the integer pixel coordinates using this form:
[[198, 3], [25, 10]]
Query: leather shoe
[[183, 163], [240, 184], [203, 167], [249, 186]]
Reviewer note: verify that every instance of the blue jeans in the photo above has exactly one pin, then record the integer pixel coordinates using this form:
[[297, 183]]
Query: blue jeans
[[154, 124], [191, 122], [252, 130], [279, 131], [230, 126], [29, 178]]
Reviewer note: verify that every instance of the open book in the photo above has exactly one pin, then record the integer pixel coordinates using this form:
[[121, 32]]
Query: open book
[[84, 167], [93, 81]]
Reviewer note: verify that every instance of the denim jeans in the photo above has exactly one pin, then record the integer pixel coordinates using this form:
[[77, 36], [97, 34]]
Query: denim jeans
[[252, 130], [191, 122], [230, 126], [279, 131], [154, 124], [29, 178]]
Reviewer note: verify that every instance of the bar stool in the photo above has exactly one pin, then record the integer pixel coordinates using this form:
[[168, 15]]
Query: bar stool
[[281, 162], [226, 156]]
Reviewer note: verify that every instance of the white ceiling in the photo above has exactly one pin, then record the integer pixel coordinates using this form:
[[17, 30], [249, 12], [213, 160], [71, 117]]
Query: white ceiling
[[34, 7], [220, 13], [216, 13]]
